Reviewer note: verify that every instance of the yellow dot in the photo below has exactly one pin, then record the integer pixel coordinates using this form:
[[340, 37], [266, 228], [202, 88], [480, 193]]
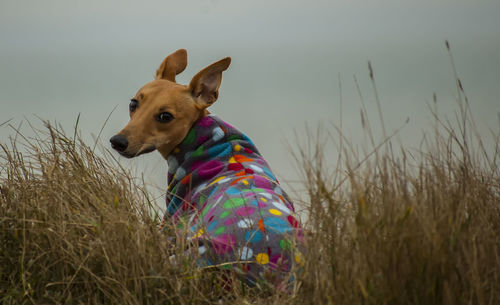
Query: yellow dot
[[244, 182], [262, 258], [299, 258], [263, 199], [237, 147], [217, 180], [200, 233], [275, 212]]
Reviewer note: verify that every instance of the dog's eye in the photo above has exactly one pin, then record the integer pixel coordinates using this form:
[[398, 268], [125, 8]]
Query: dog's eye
[[164, 117], [133, 105]]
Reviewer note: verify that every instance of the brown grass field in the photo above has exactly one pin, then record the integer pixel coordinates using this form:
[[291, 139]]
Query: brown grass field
[[388, 226]]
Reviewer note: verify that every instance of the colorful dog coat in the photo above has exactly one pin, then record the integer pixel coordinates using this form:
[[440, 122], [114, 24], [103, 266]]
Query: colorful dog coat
[[222, 191]]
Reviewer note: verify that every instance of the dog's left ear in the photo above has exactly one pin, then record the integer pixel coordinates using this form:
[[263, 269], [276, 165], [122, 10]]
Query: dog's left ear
[[205, 85], [173, 64]]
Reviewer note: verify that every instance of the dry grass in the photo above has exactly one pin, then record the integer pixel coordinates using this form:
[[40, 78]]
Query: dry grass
[[422, 228], [412, 227]]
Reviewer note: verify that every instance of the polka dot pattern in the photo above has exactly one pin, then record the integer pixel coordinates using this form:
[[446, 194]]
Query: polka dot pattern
[[231, 201]]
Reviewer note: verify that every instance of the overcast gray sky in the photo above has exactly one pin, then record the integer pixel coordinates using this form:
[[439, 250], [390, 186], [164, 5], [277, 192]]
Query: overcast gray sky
[[59, 58]]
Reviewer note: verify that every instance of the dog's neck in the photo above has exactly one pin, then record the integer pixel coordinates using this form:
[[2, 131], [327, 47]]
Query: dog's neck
[[211, 149]]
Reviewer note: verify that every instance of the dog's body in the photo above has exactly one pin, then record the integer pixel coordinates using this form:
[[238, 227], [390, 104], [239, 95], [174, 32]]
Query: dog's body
[[221, 191]]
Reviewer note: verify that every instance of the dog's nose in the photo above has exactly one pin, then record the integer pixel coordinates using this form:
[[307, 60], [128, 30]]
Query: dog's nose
[[119, 142]]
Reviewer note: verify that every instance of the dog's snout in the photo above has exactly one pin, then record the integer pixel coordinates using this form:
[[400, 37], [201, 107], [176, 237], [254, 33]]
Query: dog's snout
[[119, 142]]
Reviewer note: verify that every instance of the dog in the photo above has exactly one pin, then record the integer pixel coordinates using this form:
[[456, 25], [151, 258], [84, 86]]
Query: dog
[[220, 189]]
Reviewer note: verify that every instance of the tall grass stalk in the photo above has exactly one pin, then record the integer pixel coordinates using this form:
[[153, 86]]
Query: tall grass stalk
[[420, 226]]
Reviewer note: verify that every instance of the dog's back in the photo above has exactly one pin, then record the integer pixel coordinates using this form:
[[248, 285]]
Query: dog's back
[[224, 193]]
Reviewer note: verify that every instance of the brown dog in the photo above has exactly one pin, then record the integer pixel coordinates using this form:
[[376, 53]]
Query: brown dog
[[220, 189]]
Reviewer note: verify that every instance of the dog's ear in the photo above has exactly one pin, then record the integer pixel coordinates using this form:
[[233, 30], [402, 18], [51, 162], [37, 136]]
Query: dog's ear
[[205, 84], [173, 64]]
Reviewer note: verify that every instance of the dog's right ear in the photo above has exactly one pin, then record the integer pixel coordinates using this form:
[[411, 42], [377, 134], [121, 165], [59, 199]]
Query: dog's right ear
[[205, 84], [173, 64]]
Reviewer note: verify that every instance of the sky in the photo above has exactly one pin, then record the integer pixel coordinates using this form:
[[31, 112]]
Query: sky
[[293, 64]]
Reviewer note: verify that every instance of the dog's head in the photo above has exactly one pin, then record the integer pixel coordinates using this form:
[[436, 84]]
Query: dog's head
[[162, 112]]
